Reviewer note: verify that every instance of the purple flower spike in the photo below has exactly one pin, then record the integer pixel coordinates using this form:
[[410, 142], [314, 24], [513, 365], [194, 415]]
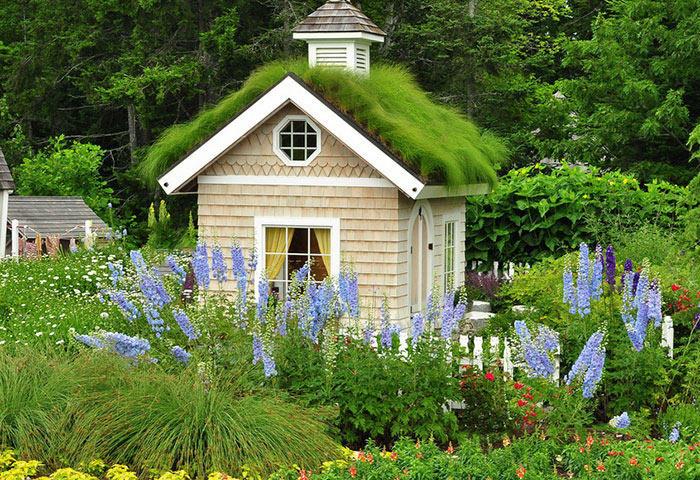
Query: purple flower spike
[[610, 267]]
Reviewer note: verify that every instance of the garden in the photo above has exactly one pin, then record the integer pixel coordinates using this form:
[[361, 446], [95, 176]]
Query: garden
[[113, 370]]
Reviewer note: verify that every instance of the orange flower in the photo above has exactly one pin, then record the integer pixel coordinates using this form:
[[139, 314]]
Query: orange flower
[[450, 448], [634, 461], [521, 472], [601, 467], [353, 472], [304, 475], [394, 455]]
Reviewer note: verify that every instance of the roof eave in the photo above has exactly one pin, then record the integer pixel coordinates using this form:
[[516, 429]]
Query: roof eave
[[443, 191], [330, 36]]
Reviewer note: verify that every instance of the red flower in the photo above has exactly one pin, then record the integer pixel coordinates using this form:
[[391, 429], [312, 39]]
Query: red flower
[[675, 287], [522, 403], [394, 456], [518, 386], [490, 377], [634, 461], [353, 472], [601, 467], [303, 475]]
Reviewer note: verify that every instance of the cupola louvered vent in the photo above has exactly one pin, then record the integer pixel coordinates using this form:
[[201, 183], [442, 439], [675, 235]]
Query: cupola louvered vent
[[332, 56], [362, 58], [339, 35]]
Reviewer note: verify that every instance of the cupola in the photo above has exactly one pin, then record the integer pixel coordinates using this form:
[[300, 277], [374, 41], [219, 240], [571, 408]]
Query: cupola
[[339, 35]]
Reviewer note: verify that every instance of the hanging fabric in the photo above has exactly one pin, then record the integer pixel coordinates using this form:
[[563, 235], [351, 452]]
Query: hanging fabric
[[323, 237], [276, 247]]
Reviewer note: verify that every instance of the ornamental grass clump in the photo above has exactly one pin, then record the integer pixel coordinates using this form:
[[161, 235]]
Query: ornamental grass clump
[[73, 410]]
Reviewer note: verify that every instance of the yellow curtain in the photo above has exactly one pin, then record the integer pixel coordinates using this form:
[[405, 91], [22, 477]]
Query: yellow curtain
[[323, 236], [275, 242]]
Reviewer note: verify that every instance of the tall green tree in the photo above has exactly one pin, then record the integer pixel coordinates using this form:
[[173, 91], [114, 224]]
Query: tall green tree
[[632, 96]]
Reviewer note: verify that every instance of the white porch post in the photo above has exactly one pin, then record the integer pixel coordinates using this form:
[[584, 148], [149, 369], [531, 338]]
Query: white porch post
[[4, 200], [15, 238]]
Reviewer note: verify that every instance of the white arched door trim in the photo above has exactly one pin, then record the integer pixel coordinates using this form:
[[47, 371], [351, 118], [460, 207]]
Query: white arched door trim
[[420, 245]]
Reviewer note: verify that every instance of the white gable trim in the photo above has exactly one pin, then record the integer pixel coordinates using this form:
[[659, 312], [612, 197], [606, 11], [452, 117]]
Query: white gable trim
[[290, 90], [295, 181]]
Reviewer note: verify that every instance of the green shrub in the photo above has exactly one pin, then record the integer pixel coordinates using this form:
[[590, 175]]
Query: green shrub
[[532, 214], [380, 392]]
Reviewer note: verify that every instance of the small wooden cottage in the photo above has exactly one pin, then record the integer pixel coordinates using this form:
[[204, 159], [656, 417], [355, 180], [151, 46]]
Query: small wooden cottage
[[332, 162], [31, 225]]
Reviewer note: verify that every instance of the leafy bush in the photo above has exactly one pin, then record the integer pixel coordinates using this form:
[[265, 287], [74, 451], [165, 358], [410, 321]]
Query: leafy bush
[[72, 410], [63, 169], [532, 214]]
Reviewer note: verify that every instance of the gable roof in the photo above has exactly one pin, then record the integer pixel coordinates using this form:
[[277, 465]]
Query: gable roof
[[292, 89], [6, 181], [432, 140], [52, 216], [338, 16]]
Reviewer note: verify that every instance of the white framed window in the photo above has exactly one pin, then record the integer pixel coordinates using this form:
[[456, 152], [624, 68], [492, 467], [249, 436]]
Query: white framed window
[[449, 255], [284, 245], [296, 140]]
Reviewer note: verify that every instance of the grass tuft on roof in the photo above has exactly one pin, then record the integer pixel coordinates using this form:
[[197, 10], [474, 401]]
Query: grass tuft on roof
[[436, 140]]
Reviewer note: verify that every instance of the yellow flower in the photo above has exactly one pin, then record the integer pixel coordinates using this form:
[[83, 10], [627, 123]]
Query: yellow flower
[[612, 183], [585, 196], [625, 181]]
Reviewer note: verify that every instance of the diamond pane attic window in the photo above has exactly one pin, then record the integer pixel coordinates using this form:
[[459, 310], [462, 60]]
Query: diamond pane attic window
[[297, 140]]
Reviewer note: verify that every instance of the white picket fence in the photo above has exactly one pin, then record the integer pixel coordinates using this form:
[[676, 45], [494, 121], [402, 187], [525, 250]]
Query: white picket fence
[[505, 271]]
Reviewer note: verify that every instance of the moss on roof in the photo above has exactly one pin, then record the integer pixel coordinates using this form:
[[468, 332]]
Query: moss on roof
[[434, 139]]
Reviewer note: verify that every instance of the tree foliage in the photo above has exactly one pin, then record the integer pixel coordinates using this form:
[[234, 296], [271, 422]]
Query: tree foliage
[[66, 169]]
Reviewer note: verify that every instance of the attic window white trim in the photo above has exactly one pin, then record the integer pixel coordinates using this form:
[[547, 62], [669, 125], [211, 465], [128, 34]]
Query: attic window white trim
[[283, 151]]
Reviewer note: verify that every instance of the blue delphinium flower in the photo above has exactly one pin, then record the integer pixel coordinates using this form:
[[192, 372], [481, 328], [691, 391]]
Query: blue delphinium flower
[[368, 333], [569, 296], [240, 274], [263, 298], [418, 325], [90, 341], [349, 292], [218, 266], [154, 319], [238, 268], [282, 315], [257, 349], [448, 315], [620, 421], [627, 269], [119, 343], [386, 338], [654, 303], [185, 325], [137, 260], [583, 282], [589, 364], [117, 272], [153, 289], [675, 433], [610, 267], [127, 307], [433, 309], [177, 270], [180, 354], [535, 349], [269, 366], [200, 264]]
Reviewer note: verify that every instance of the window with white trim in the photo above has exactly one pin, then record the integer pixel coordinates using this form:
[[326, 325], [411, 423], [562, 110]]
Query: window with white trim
[[448, 256], [297, 140], [288, 248]]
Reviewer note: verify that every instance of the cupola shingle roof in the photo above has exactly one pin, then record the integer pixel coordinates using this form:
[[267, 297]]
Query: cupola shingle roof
[[6, 182], [338, 16]]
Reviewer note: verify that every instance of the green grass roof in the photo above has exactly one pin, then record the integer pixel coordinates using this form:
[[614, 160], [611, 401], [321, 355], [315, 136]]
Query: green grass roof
[[434, 139]]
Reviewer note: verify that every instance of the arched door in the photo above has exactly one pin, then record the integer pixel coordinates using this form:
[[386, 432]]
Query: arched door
[[420, 255]]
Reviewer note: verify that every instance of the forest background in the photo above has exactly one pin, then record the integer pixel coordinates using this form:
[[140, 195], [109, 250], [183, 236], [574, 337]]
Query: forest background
[[87, 85]]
